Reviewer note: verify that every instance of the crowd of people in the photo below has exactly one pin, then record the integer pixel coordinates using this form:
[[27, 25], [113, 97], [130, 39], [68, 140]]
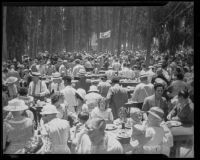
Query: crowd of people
[[51, 94]]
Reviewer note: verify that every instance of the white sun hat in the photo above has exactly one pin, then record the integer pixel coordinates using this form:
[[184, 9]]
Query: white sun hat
[[81, 92], [93, 89], [16, 105], [156, 112], [11, 80], [49, 109]]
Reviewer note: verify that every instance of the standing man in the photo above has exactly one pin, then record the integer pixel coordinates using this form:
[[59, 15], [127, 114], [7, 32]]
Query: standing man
[[142, 90], [37, 87], [117, 96]]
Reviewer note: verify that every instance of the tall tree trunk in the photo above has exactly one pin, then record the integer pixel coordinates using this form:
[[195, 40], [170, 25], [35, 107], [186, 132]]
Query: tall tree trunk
[[51, 29], [4, 48], [149, 35], [120, 31]]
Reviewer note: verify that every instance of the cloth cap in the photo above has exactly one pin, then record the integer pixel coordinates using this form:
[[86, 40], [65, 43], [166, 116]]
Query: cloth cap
[[16, 105]]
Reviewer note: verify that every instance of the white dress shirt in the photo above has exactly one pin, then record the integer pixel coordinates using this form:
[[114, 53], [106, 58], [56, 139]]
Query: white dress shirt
[[40, 88]]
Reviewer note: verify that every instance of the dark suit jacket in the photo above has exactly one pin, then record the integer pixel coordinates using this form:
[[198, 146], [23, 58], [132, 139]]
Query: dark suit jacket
[[150, 102], [186, 114]]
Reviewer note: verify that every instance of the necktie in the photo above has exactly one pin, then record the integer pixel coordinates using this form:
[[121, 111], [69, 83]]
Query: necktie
[[34, 88], [58, 86]]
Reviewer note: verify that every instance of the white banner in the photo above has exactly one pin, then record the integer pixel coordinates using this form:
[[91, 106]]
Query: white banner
[[104, 35]]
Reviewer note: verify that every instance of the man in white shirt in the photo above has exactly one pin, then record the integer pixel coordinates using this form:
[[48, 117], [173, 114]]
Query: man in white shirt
[[57, 83], [126, 72], [144, 69], [92, 97], [142, 90], [57, 129], [37, 87], [116, 65], [110, 73], [77, 67], [69, 96]]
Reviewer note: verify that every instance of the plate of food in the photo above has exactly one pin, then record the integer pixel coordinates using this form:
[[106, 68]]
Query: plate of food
[[110, 127], [173, 123], [128, 126]]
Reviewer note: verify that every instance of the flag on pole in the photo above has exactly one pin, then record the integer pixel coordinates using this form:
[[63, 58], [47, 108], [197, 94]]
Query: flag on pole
[[104, 35]]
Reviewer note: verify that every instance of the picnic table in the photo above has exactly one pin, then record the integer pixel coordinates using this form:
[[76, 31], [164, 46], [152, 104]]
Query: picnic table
[[183, 136]]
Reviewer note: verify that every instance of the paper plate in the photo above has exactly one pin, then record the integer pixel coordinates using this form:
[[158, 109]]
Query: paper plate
[[110, 127], [173, 123]]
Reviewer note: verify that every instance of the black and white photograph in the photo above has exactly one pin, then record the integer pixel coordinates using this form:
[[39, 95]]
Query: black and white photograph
[[92, 79]]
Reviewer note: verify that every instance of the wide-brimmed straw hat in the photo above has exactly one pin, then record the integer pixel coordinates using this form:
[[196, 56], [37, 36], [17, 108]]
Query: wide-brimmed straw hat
[[37, 74], [11, 80], [93, 89], [81, 92], [56, 75], [16, 105], [81, 73], [49, 109], [156, 112]]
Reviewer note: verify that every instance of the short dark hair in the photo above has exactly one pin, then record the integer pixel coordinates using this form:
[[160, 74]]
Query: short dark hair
[[183, 93], [84, 116], [115, 80], [67, 78], [180, 76], [23, 91], [156, 85], [55, 97]]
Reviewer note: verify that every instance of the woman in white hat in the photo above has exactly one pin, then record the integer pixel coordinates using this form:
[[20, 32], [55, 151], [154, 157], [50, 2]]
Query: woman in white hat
[[22, 95], [57, 83], [18, 130], [58, 130], [154, 142], [12, 87]]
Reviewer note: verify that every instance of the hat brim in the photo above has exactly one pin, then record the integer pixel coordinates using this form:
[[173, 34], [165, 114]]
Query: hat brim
[[155, 115], [13, 80], [15, 108], [93, 91], [46, 113]]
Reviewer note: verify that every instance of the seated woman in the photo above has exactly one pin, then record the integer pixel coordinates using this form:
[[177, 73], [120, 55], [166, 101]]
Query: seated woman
[[23, 95], [18, 130], [102, 111], [155, 135], [123, 117], [183, 110]]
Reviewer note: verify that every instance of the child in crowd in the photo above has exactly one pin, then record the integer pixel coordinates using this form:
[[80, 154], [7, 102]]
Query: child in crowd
[[79, 130]]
